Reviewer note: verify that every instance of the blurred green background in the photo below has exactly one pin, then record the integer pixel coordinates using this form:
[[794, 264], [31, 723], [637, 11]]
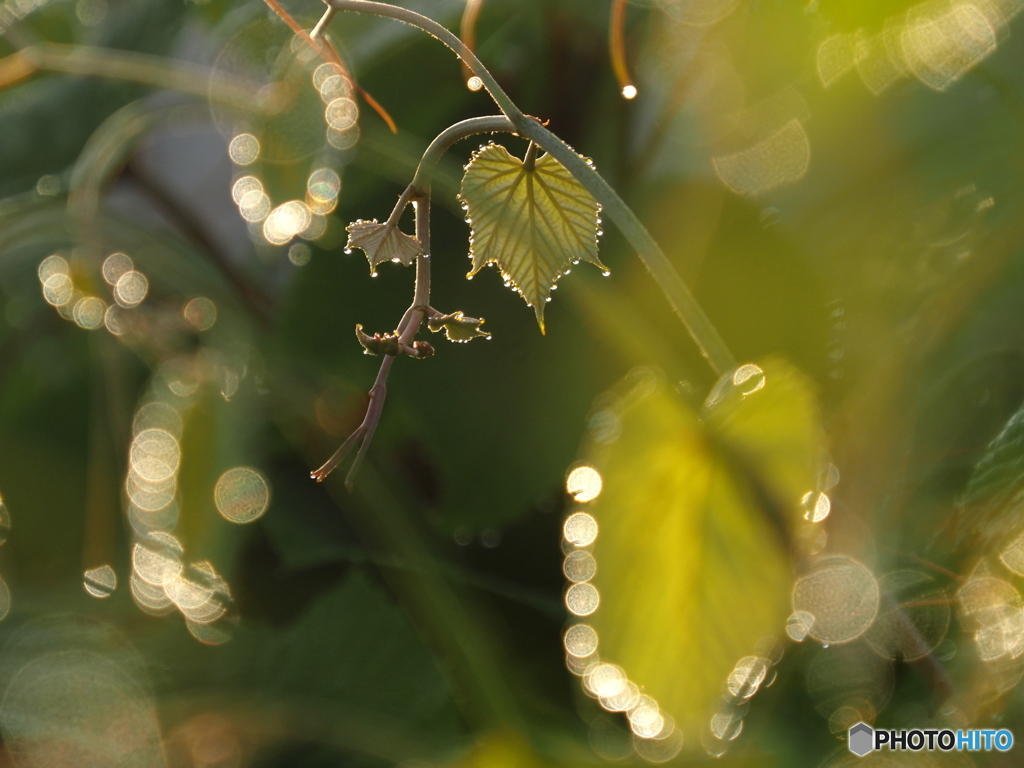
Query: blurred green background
[[838, 181]]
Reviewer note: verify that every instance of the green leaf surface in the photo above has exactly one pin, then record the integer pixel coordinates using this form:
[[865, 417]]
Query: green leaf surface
[[992, 501], [382, 242], [531, 220], [693, 565]]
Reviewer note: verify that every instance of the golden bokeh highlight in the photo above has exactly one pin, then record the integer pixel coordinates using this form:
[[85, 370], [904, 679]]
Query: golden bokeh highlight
[[322, 189], [841, 595], [580, 640], [343, 140], [200, 313], [749, 378], [992, 610], [50, 266], [131, 289], [583, 484], [244, 186], [155, 455], [286, 222], [58, 290], [115, 321], [115, 265], [299, 254], [1013, 556], [100, 582], [603, 680], [157, 415], [89, 312], [582, 599], [579, 566], [816, 506], [798, 625], [242, 495], [936, 42], [580, 529], [244, 149], [341, 114], [781, 157], [156, 559]]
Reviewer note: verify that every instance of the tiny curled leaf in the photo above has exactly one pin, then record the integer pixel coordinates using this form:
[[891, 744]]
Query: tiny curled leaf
[[458, 327], [377, 344], [382, 242], [391, 344]]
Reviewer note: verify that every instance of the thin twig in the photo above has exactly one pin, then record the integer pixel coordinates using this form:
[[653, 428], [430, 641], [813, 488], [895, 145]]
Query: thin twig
[[326, 51], [617, 44], [417, 193], [467, 31]]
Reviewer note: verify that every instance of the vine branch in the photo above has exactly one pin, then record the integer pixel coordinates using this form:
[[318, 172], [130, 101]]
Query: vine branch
[[514, 121], [679, 296], [417, 193]]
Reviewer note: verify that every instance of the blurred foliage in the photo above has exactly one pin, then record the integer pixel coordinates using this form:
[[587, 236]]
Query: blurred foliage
[[839, 192], [694, 524]]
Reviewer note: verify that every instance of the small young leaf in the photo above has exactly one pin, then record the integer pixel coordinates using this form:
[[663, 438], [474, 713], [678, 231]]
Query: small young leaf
[[382, 242], [533, 221], [377, 344], [458, 327]]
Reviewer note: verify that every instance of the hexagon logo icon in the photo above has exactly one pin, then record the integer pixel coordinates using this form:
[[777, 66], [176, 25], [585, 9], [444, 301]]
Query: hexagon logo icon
[[861, 739]]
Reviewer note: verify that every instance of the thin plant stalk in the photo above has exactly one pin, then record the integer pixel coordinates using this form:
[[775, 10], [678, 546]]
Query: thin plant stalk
[[679, 296]]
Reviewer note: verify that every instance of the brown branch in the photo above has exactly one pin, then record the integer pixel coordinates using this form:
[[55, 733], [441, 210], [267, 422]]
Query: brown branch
[[326, 51]]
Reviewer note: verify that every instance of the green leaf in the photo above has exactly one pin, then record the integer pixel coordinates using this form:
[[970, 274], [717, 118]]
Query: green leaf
[[990, 510], [695, 519], [458, 327], [382, 242], [532, 220]]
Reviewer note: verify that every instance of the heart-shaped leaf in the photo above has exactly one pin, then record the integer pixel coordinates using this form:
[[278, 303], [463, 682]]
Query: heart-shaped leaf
[[694, 517], [382, 242], [530, 218]]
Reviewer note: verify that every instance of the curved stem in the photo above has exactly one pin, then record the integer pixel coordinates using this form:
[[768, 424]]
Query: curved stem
[[617, 44], [431, 27], [450, 135], [706, 336], [703, 332]]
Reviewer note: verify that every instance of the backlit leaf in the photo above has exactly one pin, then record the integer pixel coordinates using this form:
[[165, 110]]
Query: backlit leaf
[[694, 520], [458, 327], [532, 223], [382, 242]]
